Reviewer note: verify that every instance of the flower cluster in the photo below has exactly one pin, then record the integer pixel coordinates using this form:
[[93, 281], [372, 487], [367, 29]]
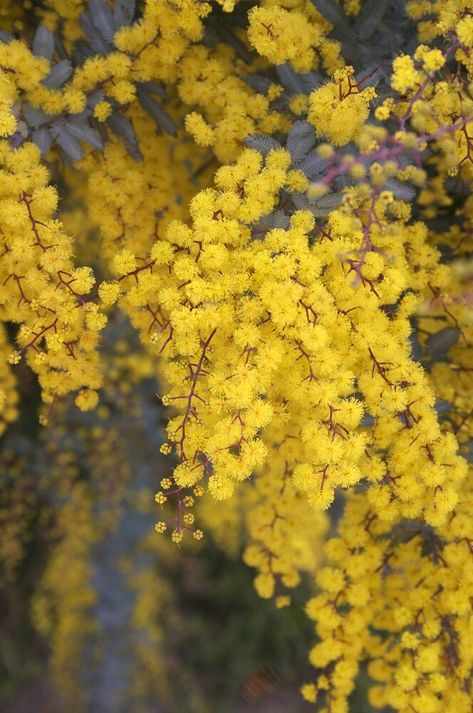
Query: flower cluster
[[277, 200]]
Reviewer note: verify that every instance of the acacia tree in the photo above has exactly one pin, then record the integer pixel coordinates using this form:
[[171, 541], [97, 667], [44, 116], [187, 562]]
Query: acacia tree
[[261, 212]]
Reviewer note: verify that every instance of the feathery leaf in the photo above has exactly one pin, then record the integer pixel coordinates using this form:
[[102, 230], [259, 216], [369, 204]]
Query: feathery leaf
[[93, 36], [43, 43], [60, 73], [102, 17], [163, 120], [263, 144], [68, 143], [300, 140], [313, 165], [84, 132], [123, 13], [43, 140], [290, 79]]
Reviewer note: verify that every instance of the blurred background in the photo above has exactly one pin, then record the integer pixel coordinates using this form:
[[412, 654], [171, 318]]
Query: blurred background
[[99, 614]]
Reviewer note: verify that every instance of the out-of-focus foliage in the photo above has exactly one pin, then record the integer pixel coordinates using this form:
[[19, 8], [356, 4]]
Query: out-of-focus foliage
[[236, 277]]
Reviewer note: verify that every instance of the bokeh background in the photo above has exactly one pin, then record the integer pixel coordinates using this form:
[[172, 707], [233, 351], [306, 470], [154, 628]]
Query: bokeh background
[[98, 612]]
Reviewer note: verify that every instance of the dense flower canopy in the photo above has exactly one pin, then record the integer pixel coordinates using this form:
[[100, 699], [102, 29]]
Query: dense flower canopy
[[260, 214]]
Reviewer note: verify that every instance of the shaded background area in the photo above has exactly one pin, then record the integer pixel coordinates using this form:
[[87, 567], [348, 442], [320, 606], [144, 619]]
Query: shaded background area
[[98, 612], [229, 652], [101, 614]]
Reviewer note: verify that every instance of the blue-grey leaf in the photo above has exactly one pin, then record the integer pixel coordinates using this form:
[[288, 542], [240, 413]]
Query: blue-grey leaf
[[32, 115], [163, 120], [59, 46], [43, 140], [370, 17], [5, 37], [334, 14], [323, 206], [154, 87], [43, 43], [80, 52], [84, 132], [81, 116], [290, 79], [300, 140], [123, 13], [224, 35], [69, 144], [330, 200], [263, 144], [442, 406], [122, 126], [280, 219], [15, 140], [311, 81], [367, 421], [60, 73], [93, 36], [300, 201], [404, 159], [399, 189], [95, 99], [134, 152], [330, 10], [343, 181], [102, 17], [416, 347], [257, 82], [439, 343], [313, 165]]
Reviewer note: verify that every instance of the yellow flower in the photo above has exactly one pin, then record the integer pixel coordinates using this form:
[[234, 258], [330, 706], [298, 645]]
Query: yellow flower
[[7, 123], [87, 400]]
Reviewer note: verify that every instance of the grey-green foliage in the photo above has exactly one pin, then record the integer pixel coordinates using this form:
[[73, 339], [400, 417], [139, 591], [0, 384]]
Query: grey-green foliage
[[370, 41], [43, 43], [332, 12], [438, 344], [102, 18], [372, 75], [400, 189], [94, 37], [218, 31], [58, 75], [277, 219], [43, 139], [313, 165], [300, 140], [71, 131], [322, 207], [258, 82], [152, 106], [290, 79], [82, 131], [154, 87], [123, 13], [122, 127], [468, 453], [263, 144], [381, 29], [66, 141], [32, 115], [370, 16]]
